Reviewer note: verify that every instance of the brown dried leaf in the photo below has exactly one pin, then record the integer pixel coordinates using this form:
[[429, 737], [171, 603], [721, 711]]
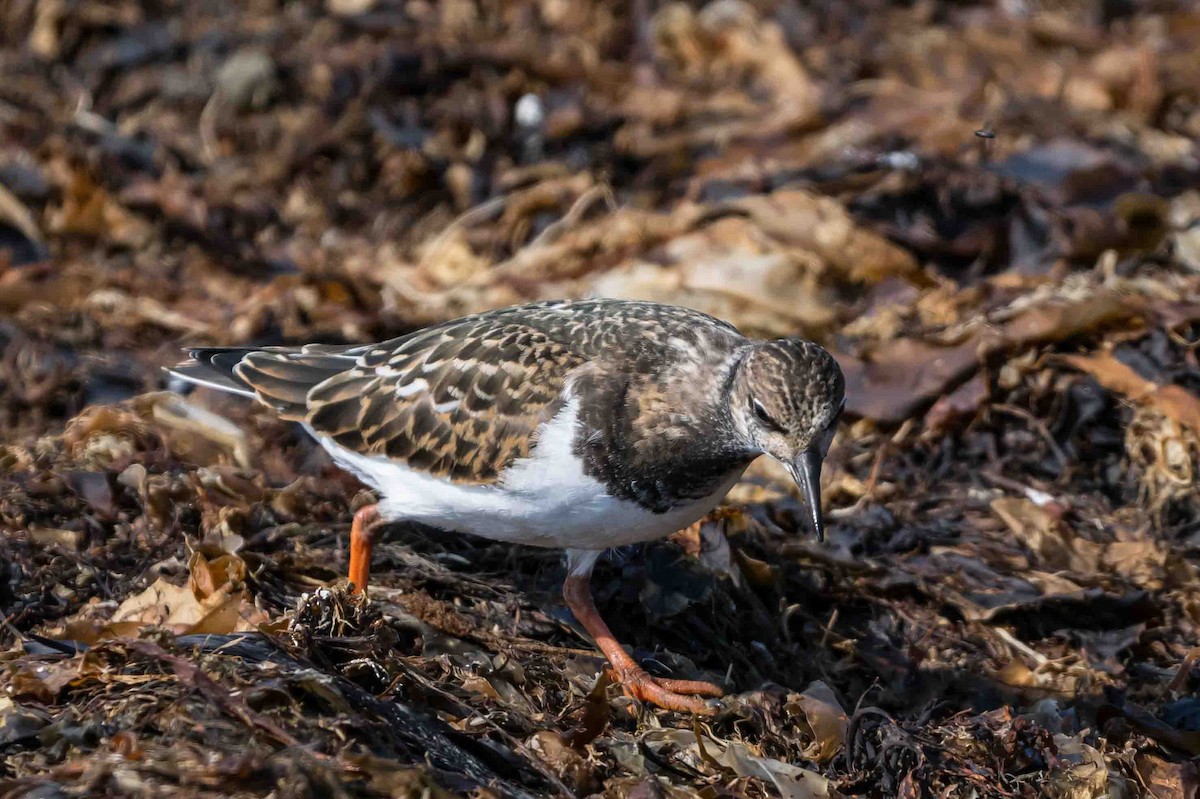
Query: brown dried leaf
[[827, 719], [222, 618], [792, 782], [899, 377], [43, 680], [1174, 402], [1061, 320], [89, 210], [1165, 780], [1040, 528], [596, 713], [563, 759], [959, 405], [207, 577]]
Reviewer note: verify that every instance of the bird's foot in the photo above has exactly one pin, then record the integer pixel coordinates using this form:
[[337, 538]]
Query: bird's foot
[[679, 695]]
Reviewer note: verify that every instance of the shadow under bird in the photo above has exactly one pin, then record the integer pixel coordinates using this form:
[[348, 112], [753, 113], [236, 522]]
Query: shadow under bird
[[581, 425]]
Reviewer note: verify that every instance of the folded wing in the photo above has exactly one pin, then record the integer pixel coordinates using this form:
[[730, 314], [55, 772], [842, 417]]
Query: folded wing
[[461, 401]]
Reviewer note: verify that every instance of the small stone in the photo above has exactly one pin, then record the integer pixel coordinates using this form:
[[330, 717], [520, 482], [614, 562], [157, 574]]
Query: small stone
[[248, 80]]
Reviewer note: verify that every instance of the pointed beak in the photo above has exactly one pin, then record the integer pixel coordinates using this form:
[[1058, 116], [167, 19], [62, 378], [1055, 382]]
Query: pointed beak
[[806, 471]]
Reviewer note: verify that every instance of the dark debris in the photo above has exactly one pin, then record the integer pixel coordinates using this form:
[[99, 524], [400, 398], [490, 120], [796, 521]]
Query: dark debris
[[988, 211]]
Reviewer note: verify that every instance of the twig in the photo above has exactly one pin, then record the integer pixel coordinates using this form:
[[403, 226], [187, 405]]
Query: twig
[[8, 625], [1038, 427], [575, 212], [480, 213], [1034, 495], [1023, 648]]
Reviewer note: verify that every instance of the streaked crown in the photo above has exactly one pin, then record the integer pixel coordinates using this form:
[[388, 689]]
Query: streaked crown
[[793, 386]]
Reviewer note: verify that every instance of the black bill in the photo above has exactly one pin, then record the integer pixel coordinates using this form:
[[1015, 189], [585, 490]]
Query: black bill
[[806, 471]]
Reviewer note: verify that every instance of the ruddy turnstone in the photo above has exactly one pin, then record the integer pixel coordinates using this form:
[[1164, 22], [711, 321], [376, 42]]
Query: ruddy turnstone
[[582, 425]]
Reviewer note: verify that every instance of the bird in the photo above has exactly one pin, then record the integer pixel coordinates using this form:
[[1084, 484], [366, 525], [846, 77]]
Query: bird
[[574, 424]]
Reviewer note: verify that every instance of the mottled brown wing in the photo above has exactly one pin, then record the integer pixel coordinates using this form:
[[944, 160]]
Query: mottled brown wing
[[461, 400]]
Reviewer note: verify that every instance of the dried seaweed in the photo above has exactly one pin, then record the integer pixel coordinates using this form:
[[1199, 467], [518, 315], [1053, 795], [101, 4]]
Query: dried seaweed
[[988, 212]]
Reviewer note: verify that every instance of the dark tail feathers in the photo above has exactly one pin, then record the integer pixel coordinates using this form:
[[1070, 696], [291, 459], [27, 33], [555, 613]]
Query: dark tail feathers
[[213, 367], [280, 377]]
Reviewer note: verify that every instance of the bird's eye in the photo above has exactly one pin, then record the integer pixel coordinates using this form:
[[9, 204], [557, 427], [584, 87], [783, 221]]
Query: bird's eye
[[760, 413]]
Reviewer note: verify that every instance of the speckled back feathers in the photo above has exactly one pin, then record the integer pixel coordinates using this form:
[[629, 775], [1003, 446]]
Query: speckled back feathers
[[464, 400]]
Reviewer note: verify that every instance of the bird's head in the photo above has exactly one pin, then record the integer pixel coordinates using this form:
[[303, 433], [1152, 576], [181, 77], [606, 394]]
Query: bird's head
[[786, 398]]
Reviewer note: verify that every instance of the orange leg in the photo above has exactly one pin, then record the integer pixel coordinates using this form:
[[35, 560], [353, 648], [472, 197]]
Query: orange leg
[[668, 694], [362, 540]]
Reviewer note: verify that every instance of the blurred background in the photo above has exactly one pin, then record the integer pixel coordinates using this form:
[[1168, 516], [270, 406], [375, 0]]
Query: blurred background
[[989, 211]]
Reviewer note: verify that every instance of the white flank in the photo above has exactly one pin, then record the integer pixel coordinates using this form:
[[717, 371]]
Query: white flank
[[544, 500]]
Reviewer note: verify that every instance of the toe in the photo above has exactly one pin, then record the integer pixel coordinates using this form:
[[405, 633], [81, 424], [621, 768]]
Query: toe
[[669, 700], [644, 688], [690, 687]]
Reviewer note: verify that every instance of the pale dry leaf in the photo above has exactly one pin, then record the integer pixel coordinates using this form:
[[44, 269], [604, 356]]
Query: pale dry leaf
[[823, 226], [208, 604], [792, 782], [726, 270], [162, 604]]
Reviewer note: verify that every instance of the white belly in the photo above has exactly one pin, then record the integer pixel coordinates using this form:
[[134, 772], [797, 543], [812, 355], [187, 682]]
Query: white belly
[[544, 500]]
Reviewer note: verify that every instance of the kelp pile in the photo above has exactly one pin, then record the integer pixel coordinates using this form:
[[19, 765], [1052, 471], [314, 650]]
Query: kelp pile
[[989, 212]]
